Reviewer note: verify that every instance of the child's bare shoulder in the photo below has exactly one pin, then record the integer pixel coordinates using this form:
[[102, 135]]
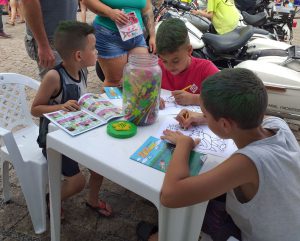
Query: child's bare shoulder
[[51, 75], [51, 82]]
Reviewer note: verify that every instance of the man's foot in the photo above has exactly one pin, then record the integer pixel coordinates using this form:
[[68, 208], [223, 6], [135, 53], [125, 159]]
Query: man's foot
[[10, 23], [4, 35], [103, 209]]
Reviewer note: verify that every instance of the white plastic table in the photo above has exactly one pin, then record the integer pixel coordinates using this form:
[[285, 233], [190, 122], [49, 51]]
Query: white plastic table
[[109, 157]]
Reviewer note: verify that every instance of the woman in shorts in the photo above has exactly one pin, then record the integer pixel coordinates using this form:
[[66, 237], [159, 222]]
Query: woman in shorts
[[112, 50]]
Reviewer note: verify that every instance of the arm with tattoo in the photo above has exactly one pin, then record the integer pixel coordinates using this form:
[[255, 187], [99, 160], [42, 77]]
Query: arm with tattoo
[[148, 19], [157, 3]]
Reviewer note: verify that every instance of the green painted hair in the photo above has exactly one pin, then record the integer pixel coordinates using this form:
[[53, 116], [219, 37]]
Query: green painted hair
[[237, 94], [70, 36], [171, 35]]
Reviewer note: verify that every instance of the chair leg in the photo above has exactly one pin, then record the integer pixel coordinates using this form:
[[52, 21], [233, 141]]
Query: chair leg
[[35, 197], [5, 180]]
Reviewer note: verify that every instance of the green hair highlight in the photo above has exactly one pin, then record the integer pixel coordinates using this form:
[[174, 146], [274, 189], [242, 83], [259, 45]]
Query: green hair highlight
[[237, 94], [171, 35]]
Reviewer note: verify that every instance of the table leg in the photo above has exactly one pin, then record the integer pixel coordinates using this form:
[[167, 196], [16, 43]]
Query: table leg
[[181, 224], [54, 173]]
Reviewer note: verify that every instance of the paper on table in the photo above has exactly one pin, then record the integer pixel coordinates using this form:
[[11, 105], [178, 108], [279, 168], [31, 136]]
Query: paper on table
[[209, 142], [171, 108]]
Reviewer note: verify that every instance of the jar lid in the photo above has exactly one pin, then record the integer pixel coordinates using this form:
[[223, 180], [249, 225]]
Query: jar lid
[[121, 129]]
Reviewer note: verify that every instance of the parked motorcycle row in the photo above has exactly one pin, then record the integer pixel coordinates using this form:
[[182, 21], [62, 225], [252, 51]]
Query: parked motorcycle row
[[277, 63], [249, 46]]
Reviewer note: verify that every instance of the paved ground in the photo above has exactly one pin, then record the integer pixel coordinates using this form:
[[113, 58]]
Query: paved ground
[[81, 223]]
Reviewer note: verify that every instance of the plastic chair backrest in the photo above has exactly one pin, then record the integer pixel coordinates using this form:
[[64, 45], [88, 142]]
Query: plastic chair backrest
[[14, 110]]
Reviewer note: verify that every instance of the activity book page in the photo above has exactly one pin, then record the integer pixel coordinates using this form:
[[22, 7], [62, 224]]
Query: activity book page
[[157, 154], [95, 111], [131, 29]]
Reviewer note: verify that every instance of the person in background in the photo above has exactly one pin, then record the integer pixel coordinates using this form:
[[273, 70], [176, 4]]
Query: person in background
[[182, 73], [2, 33], [60, 89], [112, 50], [42, 18], [83, 10], [223, 14], [16, 8]]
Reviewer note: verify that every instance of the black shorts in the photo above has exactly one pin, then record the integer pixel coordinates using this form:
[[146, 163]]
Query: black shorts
[[69, 167]]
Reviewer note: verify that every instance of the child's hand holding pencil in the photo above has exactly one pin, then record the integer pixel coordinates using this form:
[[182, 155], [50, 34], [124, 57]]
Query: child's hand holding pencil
[[188, 118], [182, 97]]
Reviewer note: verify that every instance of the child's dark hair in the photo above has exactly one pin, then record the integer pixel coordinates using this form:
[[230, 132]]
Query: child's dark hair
[[71, 36], [171, 35], [237, 94]]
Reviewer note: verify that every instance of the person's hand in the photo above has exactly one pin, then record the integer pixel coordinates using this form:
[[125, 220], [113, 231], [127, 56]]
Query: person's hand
[[152, 45], [196, 12], [183, 97], [176, 136], [118, 16], [161, 104], [70, 105], [46, 57], [188, 118]]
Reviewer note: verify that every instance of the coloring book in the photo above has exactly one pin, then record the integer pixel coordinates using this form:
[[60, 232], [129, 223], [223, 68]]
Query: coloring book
[[172, 108], [209, 142], [157, 154], [95, 111]]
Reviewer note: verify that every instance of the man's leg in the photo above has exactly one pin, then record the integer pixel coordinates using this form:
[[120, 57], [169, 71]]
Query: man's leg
[[2, 33], [1, 22]]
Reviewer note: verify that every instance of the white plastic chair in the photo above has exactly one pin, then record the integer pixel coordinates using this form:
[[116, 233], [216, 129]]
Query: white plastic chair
[[20, 147]]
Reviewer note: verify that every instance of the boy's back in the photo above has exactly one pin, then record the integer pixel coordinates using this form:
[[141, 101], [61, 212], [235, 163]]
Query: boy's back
[[275, 206]]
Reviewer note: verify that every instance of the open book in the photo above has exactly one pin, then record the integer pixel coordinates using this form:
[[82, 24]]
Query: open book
[[95, 111], [157, 154]]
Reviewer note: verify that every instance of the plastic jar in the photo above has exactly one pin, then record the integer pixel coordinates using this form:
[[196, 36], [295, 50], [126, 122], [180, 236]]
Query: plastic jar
[[141, 89]]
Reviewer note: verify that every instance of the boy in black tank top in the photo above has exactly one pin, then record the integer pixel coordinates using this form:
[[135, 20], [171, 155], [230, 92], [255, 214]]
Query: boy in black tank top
[[60, 89]]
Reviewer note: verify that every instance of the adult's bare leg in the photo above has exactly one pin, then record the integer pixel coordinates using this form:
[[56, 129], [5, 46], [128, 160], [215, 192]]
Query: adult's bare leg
[[113, 69], [139, 50]]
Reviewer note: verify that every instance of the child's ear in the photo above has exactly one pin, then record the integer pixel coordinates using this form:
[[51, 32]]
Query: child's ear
[[190, 49], [226, 125], [77, 55]]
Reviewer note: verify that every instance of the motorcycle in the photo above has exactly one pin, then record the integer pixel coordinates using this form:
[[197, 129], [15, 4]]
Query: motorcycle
[[276, 63], [279, 22]]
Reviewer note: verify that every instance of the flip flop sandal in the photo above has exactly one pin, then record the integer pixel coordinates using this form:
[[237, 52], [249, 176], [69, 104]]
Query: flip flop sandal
[[10, 23], [102, 209], [144, 230]]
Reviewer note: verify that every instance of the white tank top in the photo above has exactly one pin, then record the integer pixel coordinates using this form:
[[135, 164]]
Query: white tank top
[[273, 214]]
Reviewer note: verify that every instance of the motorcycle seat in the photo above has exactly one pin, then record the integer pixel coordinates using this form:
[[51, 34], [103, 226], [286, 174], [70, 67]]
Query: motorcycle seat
[[260, 31], [229, 41], [256, 20]]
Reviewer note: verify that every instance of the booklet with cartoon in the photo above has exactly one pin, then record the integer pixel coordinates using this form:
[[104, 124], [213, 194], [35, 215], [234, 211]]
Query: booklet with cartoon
[[113, 92], [157, 154], [95, 111], [131, 29]]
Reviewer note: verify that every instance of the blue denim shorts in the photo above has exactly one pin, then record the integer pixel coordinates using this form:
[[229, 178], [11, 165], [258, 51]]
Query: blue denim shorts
[[109, 43]]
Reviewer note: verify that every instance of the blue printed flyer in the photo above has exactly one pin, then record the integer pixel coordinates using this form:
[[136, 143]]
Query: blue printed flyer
[[113, 92], [157, 154]]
